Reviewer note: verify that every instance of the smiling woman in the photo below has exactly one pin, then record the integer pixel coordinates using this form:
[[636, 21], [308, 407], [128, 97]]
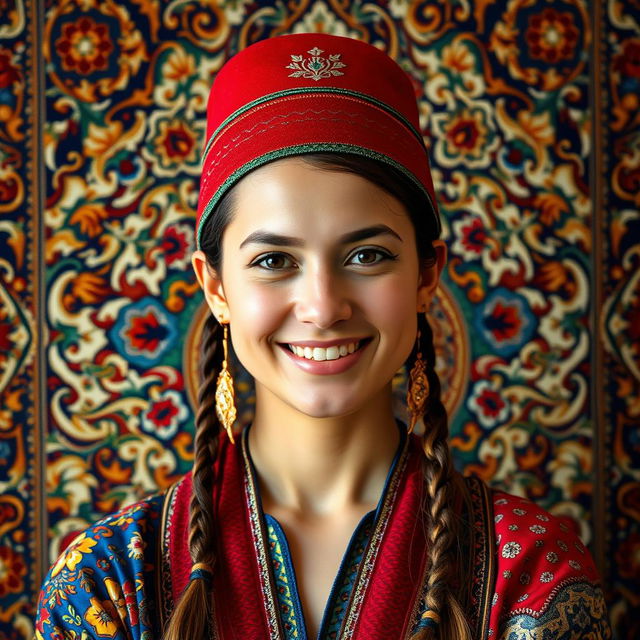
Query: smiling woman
[[312, 260], [318, 255]]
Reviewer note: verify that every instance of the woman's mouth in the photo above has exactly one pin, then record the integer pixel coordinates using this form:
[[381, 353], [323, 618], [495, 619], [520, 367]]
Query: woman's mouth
[[330, 359], [320, 354]]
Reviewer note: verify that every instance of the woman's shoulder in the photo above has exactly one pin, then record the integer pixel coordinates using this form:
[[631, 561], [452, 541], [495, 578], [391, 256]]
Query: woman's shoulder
[[101, 585], [129, 530], [545, 575]]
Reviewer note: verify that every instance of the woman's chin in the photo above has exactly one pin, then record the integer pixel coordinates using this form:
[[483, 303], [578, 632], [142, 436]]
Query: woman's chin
[[323, 406]]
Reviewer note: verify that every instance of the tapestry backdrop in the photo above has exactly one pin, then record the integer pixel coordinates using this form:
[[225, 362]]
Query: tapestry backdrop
[[531, 111]]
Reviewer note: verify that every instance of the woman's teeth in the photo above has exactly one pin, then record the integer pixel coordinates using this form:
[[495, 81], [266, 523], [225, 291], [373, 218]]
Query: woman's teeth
[[320, 353]]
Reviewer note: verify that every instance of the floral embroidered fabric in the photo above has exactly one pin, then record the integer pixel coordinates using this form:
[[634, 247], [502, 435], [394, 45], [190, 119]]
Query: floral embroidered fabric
[[545, 577], [103, 586]]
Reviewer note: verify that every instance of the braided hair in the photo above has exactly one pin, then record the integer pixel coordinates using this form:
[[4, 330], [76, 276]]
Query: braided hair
[[443, 613], [192, 615]]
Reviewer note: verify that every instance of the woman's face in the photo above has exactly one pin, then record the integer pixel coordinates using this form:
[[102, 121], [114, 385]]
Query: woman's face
[[320, 283]]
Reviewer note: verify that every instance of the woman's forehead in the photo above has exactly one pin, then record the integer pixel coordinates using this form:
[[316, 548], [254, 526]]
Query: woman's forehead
[[294, 193]]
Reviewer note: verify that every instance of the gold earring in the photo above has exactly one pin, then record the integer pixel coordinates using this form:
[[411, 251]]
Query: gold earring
[[225, 405], [418, 388]]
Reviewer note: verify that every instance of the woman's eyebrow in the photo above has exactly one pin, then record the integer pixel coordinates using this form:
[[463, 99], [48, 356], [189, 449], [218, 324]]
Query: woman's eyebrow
[[369, 232], [267, 237], [278, 240]]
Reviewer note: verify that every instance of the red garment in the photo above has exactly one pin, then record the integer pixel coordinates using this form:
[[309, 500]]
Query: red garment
[[529, 574]]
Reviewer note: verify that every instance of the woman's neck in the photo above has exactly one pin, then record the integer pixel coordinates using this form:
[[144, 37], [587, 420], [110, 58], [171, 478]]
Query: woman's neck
[[322, 466]]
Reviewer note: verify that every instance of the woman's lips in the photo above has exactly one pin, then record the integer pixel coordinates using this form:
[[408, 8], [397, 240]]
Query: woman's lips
[[321, 353], [325, 358]]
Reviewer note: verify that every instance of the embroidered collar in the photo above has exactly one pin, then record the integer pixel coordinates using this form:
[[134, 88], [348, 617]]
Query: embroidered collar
[[288, 597]]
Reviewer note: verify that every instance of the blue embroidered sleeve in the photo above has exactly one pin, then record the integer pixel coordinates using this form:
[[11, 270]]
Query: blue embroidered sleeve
[[102, 585]]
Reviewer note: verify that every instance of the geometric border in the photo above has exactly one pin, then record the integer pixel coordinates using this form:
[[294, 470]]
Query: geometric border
[[36, 205], [596, 181]]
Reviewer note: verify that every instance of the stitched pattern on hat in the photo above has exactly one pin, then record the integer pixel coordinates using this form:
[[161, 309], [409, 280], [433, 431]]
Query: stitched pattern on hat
[[240, 115], [308, 115], [302, 93], [293, 150], [316, 67]]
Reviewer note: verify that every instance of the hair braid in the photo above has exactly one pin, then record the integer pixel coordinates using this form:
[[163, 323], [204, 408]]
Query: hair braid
[[444, 617], [191, 617]]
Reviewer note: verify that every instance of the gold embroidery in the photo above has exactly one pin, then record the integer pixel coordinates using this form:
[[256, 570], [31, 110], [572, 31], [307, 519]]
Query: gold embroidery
[[577, 612], [316, 67]]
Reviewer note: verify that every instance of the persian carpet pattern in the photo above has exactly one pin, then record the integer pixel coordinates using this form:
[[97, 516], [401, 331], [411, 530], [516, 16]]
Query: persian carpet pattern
[[620, 320], [535, 143], [21, 526]]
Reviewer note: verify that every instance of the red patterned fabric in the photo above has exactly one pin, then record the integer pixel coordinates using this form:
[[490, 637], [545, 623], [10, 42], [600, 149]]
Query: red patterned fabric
[[537, 556], [399, 562], [528, 572], [236, 572], [179, 539], [395, 561]]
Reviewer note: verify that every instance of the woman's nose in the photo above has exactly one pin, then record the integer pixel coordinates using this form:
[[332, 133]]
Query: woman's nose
[[323, 299]]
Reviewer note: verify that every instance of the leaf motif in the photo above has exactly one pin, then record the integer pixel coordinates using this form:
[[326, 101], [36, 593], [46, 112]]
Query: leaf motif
[[73, 617], [87, 583], [90, 218]]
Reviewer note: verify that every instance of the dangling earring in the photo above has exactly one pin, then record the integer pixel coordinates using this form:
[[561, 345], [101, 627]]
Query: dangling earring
[[225, 406], [418, 388]]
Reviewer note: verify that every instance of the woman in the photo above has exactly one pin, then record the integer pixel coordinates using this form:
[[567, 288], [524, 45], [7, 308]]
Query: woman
[[318, 257]]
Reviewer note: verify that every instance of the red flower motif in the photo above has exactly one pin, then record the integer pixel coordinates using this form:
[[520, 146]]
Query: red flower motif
[[491, 403], [43, 618], [175, 245], [8, 189], [464, 134], [84, 46], [8, 73], [145, 332], [12, 570], [7, 511], [504, 321], [162, 412], [552, 36], [175, 142], [474, 236], [628, 62], [178, 142]]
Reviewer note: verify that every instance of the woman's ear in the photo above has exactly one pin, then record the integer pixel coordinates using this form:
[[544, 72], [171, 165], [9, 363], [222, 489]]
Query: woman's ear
[[430, 276], [211, 284]]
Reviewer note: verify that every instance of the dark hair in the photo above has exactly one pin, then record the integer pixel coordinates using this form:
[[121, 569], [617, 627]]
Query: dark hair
[[442, 483]]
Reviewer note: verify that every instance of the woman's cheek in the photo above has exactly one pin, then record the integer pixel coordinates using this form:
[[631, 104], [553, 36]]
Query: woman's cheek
[[258, 309], [396, 301]]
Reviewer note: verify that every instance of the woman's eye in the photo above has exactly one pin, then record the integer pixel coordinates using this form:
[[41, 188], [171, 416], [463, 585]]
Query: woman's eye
[[273, 262], [370, 256]]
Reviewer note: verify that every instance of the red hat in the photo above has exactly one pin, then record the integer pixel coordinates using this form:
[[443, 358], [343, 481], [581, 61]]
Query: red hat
[[309, 93]]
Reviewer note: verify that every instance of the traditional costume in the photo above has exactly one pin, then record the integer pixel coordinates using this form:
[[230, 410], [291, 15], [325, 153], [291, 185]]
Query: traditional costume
[[530, 575]]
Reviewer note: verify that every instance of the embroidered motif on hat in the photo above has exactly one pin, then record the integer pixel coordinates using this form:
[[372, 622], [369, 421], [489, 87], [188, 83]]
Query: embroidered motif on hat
[[316, 67]]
